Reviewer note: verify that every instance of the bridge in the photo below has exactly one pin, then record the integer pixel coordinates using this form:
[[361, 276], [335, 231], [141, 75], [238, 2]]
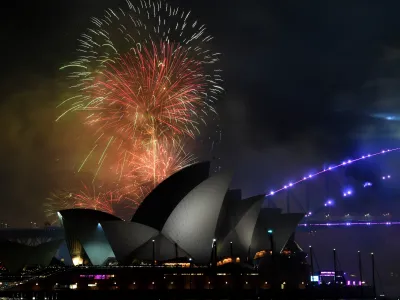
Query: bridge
[[333, 198]]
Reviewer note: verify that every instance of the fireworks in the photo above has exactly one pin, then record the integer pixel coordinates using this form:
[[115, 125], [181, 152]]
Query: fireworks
[[143, 75], [147, 95], [143, 82], [147, 65], [88, 198], [157, 163]]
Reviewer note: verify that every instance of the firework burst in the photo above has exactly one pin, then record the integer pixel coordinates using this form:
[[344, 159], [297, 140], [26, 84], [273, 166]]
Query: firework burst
[[143, 82], [143, 74], [147, 95], [88, 198]]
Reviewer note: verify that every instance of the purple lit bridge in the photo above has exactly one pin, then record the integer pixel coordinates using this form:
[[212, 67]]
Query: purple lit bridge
[[331, 198]]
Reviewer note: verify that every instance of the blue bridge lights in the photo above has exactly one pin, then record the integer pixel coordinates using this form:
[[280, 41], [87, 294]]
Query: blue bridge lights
[[347, 193], [344, 163]]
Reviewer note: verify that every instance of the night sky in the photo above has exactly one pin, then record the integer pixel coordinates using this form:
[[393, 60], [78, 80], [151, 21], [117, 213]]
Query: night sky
[[307, 83]]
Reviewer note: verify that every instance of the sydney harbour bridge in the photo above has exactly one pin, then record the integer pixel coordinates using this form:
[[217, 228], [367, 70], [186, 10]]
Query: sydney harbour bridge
[[354, 192]]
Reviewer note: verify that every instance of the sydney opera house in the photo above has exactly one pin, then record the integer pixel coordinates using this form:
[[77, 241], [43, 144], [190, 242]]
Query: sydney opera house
[[190, 218]]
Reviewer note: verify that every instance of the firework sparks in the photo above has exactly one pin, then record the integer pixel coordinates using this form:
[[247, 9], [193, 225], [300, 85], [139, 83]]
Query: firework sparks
[[143, 74], [143, 82], [88, 198], [147, 95], [158, 162]]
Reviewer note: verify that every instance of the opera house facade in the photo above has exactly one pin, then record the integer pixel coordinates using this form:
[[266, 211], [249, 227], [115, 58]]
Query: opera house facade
[[190, 217]]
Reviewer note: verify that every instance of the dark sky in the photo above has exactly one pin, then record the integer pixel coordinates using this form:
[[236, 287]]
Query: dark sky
[[300, 80]]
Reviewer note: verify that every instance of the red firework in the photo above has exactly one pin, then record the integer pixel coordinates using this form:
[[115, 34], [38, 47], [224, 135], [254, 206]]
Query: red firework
[[148, 93], [113, 202], [151, 165]]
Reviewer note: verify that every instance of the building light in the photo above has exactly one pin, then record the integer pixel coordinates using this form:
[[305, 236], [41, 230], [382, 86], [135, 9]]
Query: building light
[[172, 282], [77, 260], [152, 282], [226, 282], [247, 282]]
